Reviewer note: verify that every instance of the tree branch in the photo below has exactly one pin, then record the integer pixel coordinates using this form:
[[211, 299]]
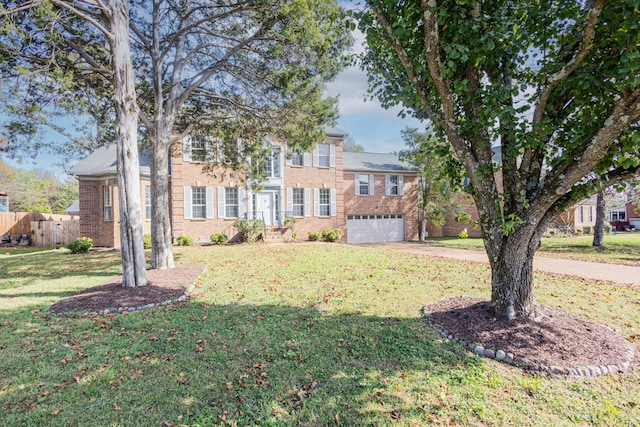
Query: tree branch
[[408, 66], [555, 79]]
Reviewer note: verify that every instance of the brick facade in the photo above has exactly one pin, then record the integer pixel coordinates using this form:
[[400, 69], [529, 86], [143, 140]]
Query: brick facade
[[382, 204], [104, 232], [198, 196]]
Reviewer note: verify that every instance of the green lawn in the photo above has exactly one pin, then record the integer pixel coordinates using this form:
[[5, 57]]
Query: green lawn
[[287, 335], [620, 248]]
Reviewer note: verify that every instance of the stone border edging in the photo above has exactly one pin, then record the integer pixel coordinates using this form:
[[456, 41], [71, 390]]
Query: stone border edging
[[511, 359], [119, 310]]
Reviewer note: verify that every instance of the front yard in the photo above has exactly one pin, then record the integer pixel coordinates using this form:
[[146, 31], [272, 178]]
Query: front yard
[[292, 334]]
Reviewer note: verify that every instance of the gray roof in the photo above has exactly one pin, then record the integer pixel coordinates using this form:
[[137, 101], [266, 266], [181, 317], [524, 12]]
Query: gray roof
[[102, 162], [375, 162], [335, 132], [73, 209]]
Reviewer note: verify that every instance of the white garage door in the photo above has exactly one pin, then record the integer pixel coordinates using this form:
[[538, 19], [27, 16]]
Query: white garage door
[[375, 228], [635, 223]]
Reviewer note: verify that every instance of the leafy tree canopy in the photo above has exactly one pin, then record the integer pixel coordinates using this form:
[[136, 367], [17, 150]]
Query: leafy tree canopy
[[555, 84], [36, 191]]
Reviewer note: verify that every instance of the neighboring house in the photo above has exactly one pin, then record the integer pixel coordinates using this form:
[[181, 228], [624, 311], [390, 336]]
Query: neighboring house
[[316, 190], [625, 217], [580, 215], [73, 209]]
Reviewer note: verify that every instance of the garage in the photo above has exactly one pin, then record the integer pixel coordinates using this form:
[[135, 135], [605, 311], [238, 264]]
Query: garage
[[635, 223], [375, 228]]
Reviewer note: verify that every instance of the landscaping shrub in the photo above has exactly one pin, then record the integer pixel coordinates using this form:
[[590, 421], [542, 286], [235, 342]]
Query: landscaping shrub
[[587, 229], [185, 240], [219, 238], [331, 235], [314, 236], [463, 234], [250, 229], [80, 245], [146, 241]]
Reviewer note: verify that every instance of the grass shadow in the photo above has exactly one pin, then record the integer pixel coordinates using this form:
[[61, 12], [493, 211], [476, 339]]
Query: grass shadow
[[244, 364]]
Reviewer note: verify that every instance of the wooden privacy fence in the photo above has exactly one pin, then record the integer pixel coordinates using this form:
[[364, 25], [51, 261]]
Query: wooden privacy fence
[[54, 233], [44, 230]]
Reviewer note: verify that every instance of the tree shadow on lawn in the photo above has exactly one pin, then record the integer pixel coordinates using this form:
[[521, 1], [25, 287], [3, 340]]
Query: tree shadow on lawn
[[205, 364], [52, 266]]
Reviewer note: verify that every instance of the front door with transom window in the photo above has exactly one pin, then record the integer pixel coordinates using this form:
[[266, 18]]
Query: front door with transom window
[[264, 204]]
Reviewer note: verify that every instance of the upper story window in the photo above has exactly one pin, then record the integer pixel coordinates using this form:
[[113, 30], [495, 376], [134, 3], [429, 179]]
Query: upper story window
[[364, 184], [297, 159], [324, 155], [197, 148], [3, 205], [394, 185], [106, 203], [272, 165]]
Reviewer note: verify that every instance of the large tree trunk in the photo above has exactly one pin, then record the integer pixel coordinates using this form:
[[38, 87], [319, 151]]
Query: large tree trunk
[[512, 276], [131, 235], [598, 230], [161, 247]]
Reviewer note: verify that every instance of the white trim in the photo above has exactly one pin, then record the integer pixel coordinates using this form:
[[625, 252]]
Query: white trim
[[316, 202], [287, 153], [186, 148], [316, 156], [332, 156], [400, 185], [209, 203], [332, 198], [221, 203], [372, 184], [241, 202], [187, 203], [307, 202], [357, 183], [305, 158], [290, 200]]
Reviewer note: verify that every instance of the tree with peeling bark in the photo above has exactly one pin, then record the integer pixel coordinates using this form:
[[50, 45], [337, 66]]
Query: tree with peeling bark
[[233, 71], [555, 84], [110, 18], [230, 71]]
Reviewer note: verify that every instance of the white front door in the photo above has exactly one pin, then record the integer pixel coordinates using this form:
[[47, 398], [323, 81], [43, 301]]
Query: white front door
[[264, 202]]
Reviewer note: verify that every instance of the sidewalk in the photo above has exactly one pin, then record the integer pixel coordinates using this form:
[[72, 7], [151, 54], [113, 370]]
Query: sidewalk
[[622, 274]]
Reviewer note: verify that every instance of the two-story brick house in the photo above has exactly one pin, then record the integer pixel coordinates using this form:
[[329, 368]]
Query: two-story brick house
[[371, 197]]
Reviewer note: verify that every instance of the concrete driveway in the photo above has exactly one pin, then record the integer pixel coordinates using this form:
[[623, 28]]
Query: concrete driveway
[[622, 274]]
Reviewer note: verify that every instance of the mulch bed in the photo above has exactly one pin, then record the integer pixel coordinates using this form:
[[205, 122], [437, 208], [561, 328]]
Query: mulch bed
[[163, 285], [558, 339]]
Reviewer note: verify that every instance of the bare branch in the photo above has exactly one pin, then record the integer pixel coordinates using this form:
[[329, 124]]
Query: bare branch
[[80, 13]]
